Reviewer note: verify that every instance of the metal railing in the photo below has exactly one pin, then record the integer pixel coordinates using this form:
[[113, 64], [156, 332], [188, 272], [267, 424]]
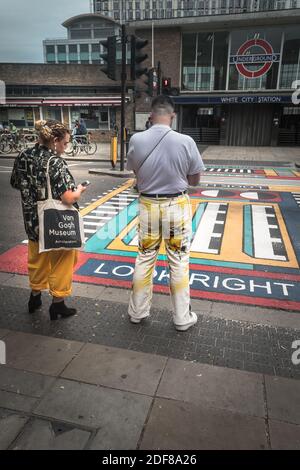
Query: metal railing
[[188, 8]]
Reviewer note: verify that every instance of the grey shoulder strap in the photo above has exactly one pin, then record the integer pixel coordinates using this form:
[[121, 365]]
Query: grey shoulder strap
[[153, 149]]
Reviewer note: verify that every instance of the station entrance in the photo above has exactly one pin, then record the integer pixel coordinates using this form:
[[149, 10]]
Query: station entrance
[[251, 124]]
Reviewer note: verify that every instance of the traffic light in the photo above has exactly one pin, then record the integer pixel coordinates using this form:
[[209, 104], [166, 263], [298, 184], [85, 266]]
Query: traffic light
[[110, 57], [166, 86], [151, 82], [137, 69]]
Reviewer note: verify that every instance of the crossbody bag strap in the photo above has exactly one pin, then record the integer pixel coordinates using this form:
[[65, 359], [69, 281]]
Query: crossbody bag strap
[[153, 149]]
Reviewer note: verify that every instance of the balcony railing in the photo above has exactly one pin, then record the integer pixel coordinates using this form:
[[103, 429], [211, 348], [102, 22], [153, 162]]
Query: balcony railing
[[188, 8]]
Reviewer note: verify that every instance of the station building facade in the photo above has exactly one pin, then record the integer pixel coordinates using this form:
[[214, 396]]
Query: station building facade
[[235, 75]]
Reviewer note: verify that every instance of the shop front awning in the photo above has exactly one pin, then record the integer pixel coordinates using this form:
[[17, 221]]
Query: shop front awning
[[96, 101]]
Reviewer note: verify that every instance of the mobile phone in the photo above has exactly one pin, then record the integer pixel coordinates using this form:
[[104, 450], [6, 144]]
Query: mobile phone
[[85, 183]]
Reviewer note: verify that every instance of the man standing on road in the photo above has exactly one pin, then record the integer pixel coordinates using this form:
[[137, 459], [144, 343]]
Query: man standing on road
[[165, 163]]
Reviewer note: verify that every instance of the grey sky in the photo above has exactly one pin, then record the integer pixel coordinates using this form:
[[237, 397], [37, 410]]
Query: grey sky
[[25, 23]]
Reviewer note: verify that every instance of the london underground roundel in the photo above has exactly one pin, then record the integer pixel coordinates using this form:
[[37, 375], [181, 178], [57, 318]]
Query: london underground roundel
[[263, 60]]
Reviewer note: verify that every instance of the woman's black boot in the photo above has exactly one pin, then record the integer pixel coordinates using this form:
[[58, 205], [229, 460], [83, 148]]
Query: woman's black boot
[[35, 301], [59, 308]]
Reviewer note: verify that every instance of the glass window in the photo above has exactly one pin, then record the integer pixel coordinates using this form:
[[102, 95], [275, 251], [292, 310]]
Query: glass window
[[290, 67], [61, 53], [94, 117], [50, 49], [84, 53], [246, 71], [81, 33], [188, 61], [73, 55], [95, 53], [198, 74], [52, 112], [220, 60], [50, 54], [103, 32]]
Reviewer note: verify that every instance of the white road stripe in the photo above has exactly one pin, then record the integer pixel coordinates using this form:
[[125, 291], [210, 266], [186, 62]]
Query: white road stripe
[[96, 217], [101, 211], [205, 230], [263, 247], [108, 206], [96, 224]]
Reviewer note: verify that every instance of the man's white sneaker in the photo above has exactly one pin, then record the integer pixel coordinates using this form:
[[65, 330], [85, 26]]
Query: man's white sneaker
[[135, 320], [185, 327]]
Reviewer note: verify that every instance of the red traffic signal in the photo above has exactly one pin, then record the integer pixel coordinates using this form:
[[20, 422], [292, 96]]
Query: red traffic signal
[[166, 86]]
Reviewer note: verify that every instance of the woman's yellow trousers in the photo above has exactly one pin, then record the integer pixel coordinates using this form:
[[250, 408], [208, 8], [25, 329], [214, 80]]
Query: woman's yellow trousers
[[51, 270]]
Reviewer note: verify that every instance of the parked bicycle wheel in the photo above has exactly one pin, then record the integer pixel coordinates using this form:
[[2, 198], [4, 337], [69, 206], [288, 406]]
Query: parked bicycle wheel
[[70, 149], [5, 145], [90, 148], [4, 148]]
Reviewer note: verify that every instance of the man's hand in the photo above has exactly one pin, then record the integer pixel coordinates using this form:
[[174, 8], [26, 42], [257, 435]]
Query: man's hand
[[194, 180]]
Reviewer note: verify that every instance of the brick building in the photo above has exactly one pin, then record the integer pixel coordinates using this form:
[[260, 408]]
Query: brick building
[[64, 92]]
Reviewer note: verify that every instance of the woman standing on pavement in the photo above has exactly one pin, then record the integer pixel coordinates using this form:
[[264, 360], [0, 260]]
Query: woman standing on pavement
[[51, 270]]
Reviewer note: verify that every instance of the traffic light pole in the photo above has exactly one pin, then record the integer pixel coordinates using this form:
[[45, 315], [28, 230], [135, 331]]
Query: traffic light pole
[[123, 97], [158, 78]]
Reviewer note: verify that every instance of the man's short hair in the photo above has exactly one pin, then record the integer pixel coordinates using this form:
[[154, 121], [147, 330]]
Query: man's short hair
[[163, 104]]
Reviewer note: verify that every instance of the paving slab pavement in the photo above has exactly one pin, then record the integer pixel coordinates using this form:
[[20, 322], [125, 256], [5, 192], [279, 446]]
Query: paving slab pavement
[[283, 399], [39, 354], [121, 369], [3, 332], [15, 402], [11, 424], [117, 415], [217, 387], [242, 345], [284, 436], [190, 406], [176, 425], [39, 434]]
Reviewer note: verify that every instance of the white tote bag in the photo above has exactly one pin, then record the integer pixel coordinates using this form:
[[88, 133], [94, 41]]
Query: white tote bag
[[60, 225]]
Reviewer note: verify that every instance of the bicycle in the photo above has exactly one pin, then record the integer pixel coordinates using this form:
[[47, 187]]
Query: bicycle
[[11, 142], [81, 143]]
